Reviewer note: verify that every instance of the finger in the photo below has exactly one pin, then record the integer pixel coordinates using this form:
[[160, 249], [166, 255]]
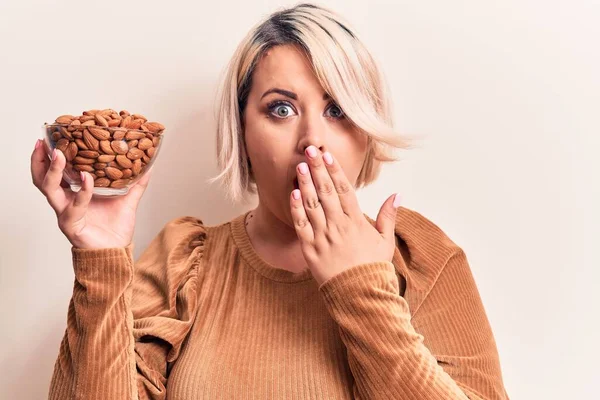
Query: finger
[[39, 164], [323, 184], [78, 208], [343, 187], [301, 223], [138, 189], [310, 200], [50, 186], [386, 219]]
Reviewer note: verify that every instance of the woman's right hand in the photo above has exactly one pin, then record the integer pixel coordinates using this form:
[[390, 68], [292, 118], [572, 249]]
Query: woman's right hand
[[87, 222]]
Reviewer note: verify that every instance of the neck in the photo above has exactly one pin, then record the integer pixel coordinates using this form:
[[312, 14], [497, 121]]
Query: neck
[[264, 226]]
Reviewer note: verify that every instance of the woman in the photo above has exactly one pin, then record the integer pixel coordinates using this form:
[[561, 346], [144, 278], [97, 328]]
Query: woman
[[305, 296]]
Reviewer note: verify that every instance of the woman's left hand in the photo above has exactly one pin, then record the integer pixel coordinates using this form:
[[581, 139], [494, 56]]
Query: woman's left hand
[[333, 231]]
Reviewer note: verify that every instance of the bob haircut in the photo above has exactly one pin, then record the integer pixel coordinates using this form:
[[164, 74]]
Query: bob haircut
[[344, 68]]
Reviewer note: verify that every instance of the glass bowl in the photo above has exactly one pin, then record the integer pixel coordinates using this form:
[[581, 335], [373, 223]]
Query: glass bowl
[[115, 157]]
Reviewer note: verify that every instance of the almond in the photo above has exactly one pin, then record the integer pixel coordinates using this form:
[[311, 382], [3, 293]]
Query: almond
[[83, 167], [118, 135], [119, 146], [120, 183], [105, 158], [145, 144], [155, 127], [135, 153], [124, 162], [134, 135], [101, 120], [114, 122], [83, 160], [81, 144], [135, 124], [102, 182], [106, 148], [65, 119], [137, 167], [90, 141], [113, 173], [99, 133], [62, 145], [71, 151], [127, 173], [151, 151], [89, 153], [126, 121], [140, 116]]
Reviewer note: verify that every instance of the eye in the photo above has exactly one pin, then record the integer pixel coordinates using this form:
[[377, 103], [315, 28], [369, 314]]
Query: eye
[[336, 111], [280, 109]]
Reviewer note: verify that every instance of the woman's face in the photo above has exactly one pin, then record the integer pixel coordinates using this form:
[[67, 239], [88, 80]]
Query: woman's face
[[286, 112]]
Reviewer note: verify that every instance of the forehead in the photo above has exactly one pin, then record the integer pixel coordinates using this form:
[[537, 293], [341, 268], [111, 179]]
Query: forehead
[[285, 67]]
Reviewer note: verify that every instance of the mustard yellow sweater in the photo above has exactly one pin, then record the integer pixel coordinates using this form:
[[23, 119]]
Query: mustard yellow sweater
[[201, 316]]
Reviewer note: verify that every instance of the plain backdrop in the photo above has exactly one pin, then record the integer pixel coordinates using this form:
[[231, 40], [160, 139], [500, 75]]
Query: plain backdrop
[[504, 95]]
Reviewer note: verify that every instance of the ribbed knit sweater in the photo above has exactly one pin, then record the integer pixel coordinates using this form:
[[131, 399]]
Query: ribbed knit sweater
[[200, 315]]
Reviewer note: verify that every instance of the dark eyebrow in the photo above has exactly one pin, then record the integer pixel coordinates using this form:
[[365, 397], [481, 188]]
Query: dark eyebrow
[[289, 94]]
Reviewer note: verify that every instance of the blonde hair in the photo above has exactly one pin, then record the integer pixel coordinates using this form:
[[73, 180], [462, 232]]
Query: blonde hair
[[345, 69]]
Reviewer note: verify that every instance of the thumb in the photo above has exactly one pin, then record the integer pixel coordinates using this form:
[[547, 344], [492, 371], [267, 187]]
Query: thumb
[[386, 219]]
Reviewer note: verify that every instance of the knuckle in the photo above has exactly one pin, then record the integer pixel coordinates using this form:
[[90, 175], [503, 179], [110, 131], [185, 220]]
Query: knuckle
[[313, 203], [325, 188], [301, 223], [304, 180], [343, 188]]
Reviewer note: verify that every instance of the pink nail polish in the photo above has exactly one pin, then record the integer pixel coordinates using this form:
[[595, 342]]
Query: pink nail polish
[[328, 158], [397, 200], [81, 174], [53, 154], [37, 144], [312, 151], [303, 167], [296, 194]]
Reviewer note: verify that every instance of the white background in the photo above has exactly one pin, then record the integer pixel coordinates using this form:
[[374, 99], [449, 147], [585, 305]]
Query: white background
[[505, 96]]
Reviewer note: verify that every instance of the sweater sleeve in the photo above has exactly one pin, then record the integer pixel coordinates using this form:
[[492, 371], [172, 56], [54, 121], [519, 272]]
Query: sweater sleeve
[[445, 351], [127, 321]]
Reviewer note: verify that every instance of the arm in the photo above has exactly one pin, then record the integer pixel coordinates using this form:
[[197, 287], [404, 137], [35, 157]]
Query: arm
[[126, 323], [445, 351]]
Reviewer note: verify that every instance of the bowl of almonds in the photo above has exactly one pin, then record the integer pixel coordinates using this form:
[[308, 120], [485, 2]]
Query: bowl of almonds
[[115, 148]]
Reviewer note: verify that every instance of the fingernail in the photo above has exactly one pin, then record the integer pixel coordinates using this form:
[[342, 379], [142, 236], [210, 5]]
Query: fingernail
[[303, 167], [296, 194], [37, 143], [397, 200], [328, 158], [312, 151], [53, 154], [82, 175]]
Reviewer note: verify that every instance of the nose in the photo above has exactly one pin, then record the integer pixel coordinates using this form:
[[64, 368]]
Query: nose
[[313, 131]]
